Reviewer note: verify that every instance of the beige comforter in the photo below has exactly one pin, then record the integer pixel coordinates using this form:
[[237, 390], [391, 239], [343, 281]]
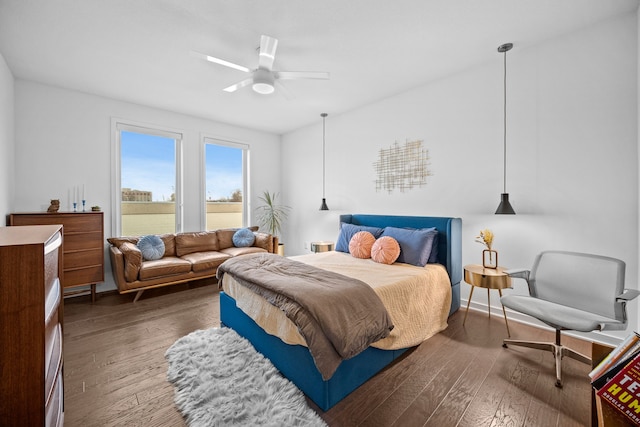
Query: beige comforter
[[337, 315], [417, 298]]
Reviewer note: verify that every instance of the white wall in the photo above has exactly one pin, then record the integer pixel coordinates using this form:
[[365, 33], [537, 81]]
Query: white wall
[[63, 139], [572, 153], [6, 139]]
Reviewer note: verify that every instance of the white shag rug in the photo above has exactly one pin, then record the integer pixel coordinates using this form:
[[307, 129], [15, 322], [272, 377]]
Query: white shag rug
[[221, 380]]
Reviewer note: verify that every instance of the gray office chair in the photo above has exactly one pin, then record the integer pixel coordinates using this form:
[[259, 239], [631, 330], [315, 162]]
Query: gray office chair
[[571, 291]]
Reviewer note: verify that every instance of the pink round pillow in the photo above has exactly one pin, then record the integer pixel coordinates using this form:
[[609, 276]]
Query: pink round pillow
[[385, 250], [360, 244]]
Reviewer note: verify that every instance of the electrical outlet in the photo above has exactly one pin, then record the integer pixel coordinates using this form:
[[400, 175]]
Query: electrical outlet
[[306, 245]]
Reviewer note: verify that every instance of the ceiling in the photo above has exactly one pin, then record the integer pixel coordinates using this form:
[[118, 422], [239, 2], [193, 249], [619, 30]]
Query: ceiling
[[140, 50]]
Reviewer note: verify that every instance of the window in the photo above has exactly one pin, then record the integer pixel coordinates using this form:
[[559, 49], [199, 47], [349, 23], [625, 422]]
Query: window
[[147, 196], [225, 183]]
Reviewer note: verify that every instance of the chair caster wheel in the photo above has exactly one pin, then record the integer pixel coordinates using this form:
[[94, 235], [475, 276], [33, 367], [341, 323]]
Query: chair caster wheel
[[504, 345], [558, 384]]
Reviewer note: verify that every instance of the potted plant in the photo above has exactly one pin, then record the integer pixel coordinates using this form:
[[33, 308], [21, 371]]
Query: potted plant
[[271, 215]]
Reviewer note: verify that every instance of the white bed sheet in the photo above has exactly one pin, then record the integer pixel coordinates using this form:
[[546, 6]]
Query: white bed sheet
[[417, 298]]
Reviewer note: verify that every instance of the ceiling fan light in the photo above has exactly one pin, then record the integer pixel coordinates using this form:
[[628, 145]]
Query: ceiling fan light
[[263, 88], [263, 81]]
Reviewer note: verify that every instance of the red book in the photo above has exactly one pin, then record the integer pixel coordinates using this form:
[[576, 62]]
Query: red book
[[623, 390]]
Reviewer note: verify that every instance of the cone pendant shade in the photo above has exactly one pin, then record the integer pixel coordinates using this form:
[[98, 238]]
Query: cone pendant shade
[[505, 208]]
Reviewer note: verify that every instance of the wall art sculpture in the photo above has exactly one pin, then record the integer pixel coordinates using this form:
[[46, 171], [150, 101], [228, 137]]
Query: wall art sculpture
[[402, 167]]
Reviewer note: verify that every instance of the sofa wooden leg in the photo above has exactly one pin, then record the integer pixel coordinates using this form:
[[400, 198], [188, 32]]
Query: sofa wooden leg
[[138, 295]]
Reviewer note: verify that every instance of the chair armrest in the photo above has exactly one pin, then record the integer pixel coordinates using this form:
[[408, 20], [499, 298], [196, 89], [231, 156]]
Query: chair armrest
[[518, 273], [628, 295]]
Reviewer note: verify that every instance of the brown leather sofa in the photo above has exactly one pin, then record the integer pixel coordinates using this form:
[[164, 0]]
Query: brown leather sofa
[[187, 256]]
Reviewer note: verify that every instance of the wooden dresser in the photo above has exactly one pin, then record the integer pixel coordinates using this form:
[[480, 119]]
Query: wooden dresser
[[83, 257], [31, 388]]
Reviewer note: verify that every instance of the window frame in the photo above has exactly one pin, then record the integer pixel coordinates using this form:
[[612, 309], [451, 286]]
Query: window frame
[[118, 125], [246, 153]]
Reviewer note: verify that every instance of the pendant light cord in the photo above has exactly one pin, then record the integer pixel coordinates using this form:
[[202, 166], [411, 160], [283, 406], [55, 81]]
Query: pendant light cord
[[324, 116], [505, 124]]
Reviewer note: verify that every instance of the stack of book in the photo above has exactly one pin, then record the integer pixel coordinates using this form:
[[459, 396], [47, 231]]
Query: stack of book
[[617, 378]]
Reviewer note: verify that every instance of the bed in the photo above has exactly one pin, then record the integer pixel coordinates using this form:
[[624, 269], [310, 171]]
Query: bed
[[295, 361]]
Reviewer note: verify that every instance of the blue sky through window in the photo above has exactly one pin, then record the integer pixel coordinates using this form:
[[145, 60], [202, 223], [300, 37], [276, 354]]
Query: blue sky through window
[[224, 171], [148, 163]]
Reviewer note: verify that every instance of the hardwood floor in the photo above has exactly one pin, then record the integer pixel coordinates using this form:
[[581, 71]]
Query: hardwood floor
[[115, 371]]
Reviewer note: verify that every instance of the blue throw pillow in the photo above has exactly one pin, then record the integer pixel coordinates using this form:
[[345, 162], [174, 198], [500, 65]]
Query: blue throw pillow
[[243, 238], [348, 230], [433, 257], [152, 247], [415, 245]]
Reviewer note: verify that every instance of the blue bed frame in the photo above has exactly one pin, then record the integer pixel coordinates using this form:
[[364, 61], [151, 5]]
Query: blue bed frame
[[295, 361]]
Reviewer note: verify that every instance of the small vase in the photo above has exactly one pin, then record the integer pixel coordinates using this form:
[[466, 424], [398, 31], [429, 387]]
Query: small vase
[[489, 258]]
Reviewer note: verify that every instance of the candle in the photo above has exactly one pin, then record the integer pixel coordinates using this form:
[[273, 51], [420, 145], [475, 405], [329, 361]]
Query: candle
[[83, 192]]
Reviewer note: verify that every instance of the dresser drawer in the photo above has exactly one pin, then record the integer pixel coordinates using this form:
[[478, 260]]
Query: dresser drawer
[[53, 357], [83, 276], [52, 298], [83, 258], [51, 260], [53, 410], [83, 222], [82, 241]]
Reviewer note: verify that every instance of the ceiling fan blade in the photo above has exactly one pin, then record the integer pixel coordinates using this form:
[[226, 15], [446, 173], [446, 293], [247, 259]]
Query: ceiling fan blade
[[221, 62], [288, 95], [291, 75], [268, 46], [239, 85]]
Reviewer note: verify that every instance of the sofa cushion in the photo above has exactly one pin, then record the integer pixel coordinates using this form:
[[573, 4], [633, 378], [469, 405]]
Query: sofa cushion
[[225, 237], [243, 238], [151, 246], [132, 260], [264, 241], [201, 261], [166, 266], [203, 241], [242, 251], [118, 241], [169, 244]]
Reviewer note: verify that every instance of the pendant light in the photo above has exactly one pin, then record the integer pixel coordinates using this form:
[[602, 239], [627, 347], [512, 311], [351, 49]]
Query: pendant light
[[505, 207], [323, 206]]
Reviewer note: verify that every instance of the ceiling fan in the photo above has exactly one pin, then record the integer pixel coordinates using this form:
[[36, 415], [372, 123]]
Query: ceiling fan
[[263, 78]]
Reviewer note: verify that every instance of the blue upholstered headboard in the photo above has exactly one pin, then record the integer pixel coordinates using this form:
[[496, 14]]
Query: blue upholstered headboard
[[449, 240]]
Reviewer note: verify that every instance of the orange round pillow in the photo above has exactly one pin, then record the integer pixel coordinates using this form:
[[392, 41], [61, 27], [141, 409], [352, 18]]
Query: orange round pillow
[[385, 250], [360, 244]]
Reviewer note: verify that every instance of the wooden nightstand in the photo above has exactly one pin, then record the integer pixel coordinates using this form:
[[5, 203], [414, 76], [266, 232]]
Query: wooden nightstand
[[488, 278]]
